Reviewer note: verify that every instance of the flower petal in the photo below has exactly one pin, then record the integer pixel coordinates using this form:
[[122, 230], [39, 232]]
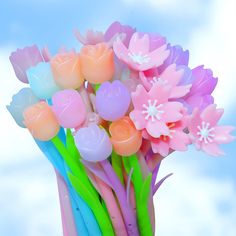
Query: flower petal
[[179, 141], [156, 129], [222, 134], [139, 97], [160, 93], [160, 147], [138, 119], [212, 149], [139, 44], [172, 111]]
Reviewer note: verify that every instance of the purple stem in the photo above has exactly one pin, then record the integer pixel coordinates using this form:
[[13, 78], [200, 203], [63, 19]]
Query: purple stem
[[154, 174], [160, 182], [127, 211]]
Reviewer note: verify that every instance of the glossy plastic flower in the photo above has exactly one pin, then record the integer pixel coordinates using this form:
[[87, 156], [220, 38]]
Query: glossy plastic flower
[[176, 140], [66, 70], [138, 55], [116, 29], [41, 80], [177, 56], [97, 63], [23, 59], [202, 86], [152, 110], [205, 133], [69, 108], [112, 100], [91, 37], [41, 121], [93, 143], [126, 139], [170, 77], [20, 101]]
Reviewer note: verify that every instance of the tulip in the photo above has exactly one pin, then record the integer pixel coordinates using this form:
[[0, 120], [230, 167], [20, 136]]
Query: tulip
[[69, 108], [93, 143], [112, 100], [66, 70], [23, 59], [125, 138], [41, 121], [97, 63], [41, 80], [20, 101]]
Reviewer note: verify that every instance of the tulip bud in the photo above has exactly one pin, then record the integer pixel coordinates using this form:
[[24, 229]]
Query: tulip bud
[[97, 63], [66, 70], [20, 101], [125, 138], [112, 100], [93, 143], [41, 121], [69, 108], [41, 80]]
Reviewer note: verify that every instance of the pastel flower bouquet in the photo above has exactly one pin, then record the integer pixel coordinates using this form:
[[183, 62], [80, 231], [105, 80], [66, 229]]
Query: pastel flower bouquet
[[106, 117]]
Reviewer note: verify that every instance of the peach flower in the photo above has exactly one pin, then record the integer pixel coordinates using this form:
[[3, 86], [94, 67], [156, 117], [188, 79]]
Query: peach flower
[[97, 63], [126, 139], [66, 70], [41, 121]]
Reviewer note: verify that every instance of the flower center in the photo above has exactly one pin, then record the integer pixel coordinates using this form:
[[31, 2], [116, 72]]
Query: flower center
[[152, 110], [158, 80], [139, 58], [205, 132]]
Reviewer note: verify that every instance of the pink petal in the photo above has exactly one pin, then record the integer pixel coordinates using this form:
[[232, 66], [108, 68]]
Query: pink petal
[[138, 119], [222, 134], [139, 97], [157, 57], [172, 75], [121, 51], [172, 111], [157, 128], [211, 114], [139, 44], [212, 149], [160, 147], [179, 141], [160, 93], [194, 121], [180, 91]]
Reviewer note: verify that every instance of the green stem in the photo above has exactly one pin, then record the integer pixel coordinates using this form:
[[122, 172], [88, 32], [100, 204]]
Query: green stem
[[142, 191]]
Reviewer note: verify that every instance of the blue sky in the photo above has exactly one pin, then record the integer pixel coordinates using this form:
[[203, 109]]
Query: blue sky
[[204, 187]]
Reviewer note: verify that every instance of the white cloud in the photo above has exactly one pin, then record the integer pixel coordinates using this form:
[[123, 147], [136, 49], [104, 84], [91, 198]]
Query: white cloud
[[180, 8], [214, 45], [189, 203]]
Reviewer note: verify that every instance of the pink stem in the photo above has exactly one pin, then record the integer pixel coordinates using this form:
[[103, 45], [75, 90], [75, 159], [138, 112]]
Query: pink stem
[[112, 207], [68, 223]]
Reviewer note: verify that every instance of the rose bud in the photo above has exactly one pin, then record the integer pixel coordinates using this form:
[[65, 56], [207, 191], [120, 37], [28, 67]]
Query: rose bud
[[41, 80], [93, 143], [125, 138], [97, 63], [20, 101], [69, 108], [112, 100], [66, 70], [23, 59], [41, 121]]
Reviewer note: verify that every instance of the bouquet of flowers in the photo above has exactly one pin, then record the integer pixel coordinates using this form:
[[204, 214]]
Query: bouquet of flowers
[[106, 117]]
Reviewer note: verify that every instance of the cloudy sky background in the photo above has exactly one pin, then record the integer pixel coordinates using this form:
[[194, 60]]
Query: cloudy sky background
[[200, 199]]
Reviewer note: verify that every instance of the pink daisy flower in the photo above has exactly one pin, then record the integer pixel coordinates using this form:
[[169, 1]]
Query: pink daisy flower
[[138, 55], [176, 140], [205, 133], [152, 110], [170, 76]]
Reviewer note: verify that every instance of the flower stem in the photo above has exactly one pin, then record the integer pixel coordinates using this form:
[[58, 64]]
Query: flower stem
[[128, 214]]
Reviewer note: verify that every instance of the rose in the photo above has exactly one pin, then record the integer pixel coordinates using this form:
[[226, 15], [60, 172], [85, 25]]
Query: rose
[[125, 138], [69, 108], [112, 100], [41, 80], [20, 101], [41, 121], [66, 70], [22, 59], [97, 63], [93, 143]]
